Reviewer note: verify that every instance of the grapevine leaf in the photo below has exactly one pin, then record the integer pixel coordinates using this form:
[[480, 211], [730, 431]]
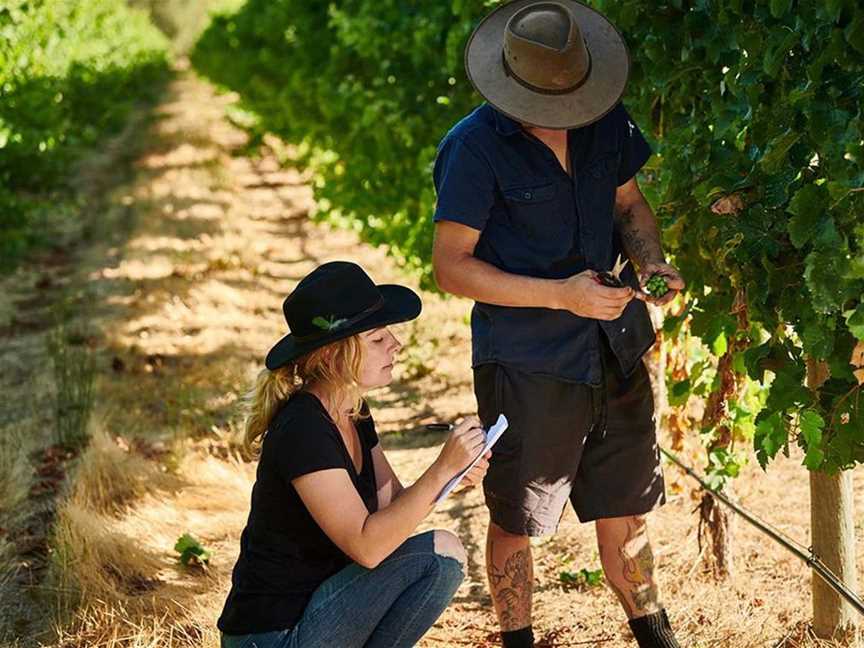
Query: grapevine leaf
[[185, 542], [775, 190], [811, 424], [777, 151], [780, 7], [787, 391], [849, 421], [817, 334], [770, 436], [679, 393], [672, 324], [807, 207], [814, 459], [855, 321], [191, 551], [753, 358], [585, 578], [856, 268], [719, 345], [738, 364], [854, 32], [780, 43], [834, 7], [821, 270]]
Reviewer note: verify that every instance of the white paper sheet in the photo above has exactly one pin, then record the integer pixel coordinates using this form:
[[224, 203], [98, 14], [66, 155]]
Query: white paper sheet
[[492, 435]]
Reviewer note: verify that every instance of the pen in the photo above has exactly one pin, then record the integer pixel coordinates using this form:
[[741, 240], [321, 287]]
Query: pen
[[439, 427]]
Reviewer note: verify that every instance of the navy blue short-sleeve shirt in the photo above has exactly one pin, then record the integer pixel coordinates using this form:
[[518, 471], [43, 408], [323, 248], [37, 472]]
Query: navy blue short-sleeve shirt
[[536, 220]]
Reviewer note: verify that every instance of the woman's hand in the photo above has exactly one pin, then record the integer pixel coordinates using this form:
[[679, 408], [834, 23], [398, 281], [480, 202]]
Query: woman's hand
[[464, 443], [477, 472]]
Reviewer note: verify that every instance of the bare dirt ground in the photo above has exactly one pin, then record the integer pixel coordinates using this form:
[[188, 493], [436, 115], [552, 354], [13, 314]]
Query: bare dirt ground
[[182, 306]]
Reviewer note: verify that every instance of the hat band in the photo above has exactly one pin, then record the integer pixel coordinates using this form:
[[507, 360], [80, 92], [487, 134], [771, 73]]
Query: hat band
[[342, 323], [547, 91]]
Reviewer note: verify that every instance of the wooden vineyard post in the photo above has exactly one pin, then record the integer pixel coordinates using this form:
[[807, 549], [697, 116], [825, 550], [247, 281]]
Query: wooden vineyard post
[[832, 531], [833, 535]]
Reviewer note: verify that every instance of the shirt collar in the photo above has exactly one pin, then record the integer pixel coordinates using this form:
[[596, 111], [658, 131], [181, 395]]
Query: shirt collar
[[504, 124]]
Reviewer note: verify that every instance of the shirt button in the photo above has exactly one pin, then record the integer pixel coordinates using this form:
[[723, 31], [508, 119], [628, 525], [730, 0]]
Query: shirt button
[[527, 195], [624, 330]]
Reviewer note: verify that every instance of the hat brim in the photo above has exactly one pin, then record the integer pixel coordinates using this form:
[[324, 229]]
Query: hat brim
[[401, 304], [601, 91]]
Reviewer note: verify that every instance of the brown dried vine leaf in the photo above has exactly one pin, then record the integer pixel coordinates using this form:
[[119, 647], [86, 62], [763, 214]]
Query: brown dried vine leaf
[[731, 204], [857, 359], [677, 426], [739, 309], [715, 408], [818, 372], [859, 374]]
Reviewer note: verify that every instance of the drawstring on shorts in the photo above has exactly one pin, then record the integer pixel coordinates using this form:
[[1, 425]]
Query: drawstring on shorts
[[599, 400]]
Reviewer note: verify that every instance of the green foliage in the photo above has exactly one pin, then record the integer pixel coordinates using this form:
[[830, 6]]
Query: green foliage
[[376, 85], [760, 102], [192, 552], [723, 464], [583, 579], [69, 73]]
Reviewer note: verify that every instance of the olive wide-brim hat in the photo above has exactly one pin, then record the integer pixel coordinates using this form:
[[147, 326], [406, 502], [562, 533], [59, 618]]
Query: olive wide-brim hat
[[554, 64], [333, 302]]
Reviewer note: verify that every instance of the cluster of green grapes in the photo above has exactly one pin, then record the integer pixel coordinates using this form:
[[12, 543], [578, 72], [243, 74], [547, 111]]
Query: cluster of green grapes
[[656, 286]]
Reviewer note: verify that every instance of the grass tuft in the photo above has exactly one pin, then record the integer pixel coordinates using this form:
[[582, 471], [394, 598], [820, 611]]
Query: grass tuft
[[111, 474]]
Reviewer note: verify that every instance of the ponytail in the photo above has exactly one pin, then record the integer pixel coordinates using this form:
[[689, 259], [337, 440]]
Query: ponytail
[[337, 365]]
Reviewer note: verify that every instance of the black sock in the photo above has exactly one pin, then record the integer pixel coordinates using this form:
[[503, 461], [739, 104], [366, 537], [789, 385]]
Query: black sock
[[654, 631], [521, 638]]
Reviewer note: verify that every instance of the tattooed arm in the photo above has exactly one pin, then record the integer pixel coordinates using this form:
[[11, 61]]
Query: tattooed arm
[[640, 236]]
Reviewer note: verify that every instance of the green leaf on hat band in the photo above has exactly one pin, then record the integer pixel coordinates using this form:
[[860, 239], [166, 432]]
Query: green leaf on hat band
[[328, 324]]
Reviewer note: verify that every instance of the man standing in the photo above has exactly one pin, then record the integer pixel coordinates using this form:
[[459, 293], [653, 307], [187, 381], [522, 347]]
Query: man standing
[[536, 196]]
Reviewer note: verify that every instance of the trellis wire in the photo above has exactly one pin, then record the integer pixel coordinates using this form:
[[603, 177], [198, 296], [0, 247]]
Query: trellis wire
[[806, 554]]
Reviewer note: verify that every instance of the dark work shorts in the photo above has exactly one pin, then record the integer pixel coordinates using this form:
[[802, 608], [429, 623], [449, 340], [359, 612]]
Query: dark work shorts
[[595, 446]]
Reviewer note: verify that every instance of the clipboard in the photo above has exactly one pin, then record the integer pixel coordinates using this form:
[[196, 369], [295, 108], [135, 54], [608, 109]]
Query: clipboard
[[492, 435]]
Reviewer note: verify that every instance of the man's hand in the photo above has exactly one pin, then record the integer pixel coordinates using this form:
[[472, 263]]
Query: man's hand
[[668, 272], [583, 296]]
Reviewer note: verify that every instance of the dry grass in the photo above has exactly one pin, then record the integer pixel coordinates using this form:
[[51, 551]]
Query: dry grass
[[14, 473], [111, 475], [14, 484], [96, 561], [119, 576], [186, 308]]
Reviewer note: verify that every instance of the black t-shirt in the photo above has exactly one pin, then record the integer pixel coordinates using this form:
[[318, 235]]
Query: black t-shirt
[[284, 554]]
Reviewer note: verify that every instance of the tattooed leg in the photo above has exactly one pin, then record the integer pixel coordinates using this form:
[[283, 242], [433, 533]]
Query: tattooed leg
[[511, 577], [629, 564]]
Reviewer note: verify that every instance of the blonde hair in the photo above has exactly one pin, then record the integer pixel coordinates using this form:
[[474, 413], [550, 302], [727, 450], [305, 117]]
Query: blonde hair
[[336, 365]]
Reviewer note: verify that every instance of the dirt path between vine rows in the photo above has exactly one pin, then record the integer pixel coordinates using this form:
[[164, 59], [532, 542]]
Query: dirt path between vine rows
[[182, 309]]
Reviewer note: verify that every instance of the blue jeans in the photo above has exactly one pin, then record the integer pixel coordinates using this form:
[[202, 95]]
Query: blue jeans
[[390, 606]]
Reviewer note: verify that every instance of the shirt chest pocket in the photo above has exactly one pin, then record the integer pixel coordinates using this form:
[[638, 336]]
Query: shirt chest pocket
[[599, 177], [598, 182], [534, 212]]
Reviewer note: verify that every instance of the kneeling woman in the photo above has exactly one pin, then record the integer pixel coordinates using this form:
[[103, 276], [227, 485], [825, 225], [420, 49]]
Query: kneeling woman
[[327, 557]]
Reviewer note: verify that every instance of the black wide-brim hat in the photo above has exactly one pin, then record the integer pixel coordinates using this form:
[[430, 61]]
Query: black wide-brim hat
[[333, 302], [524, 67]]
